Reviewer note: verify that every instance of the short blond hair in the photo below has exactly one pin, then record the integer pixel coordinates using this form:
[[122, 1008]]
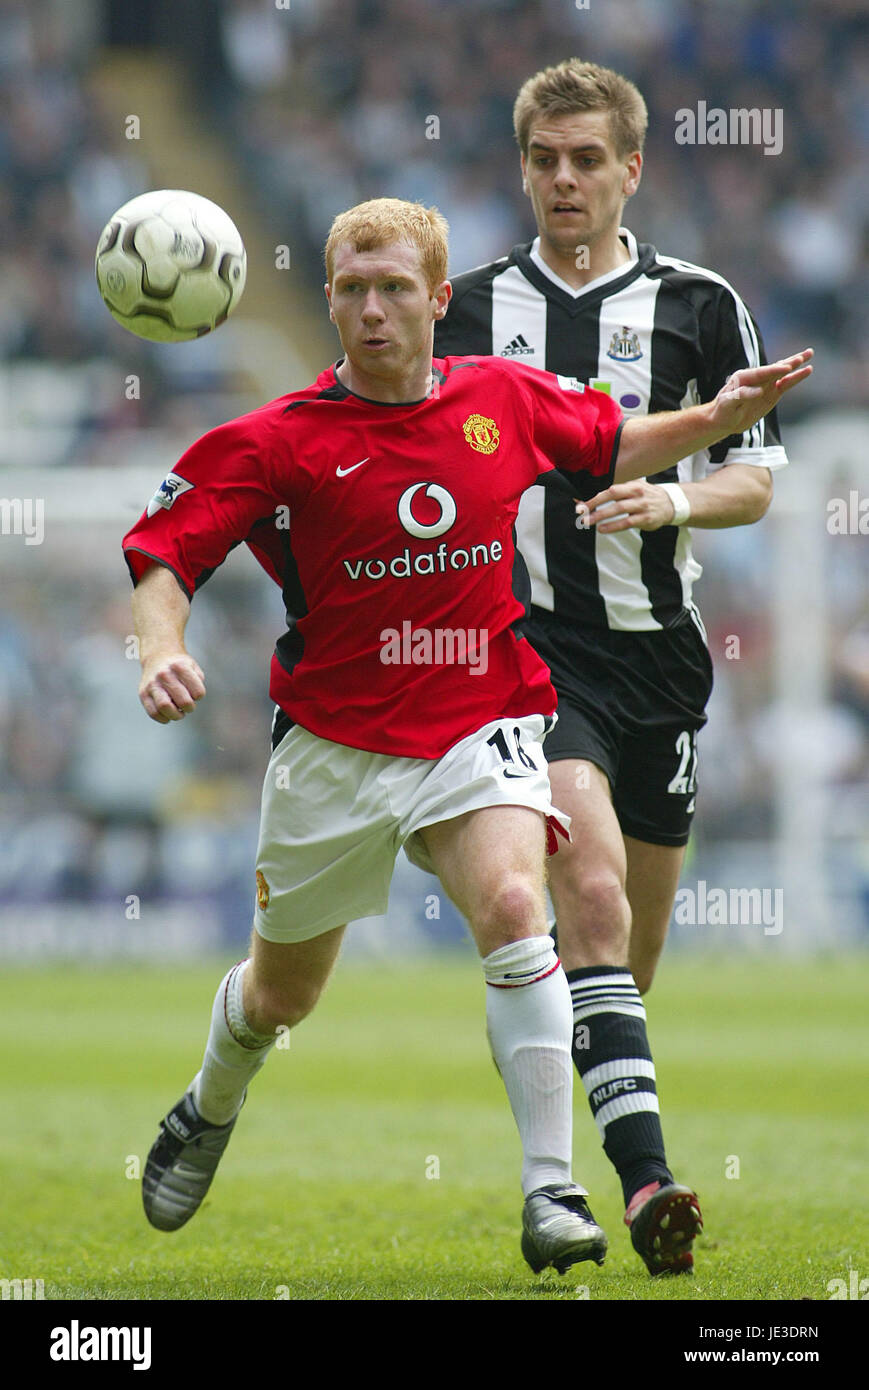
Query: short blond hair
[[573, 87], [384, 220]]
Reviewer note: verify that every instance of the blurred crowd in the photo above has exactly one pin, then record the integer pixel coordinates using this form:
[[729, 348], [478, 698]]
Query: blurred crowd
[[327, 102], [414, 99], [323, 104]]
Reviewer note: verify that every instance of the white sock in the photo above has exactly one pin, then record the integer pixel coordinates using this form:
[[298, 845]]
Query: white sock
[[233, 1053], [530, 1022]]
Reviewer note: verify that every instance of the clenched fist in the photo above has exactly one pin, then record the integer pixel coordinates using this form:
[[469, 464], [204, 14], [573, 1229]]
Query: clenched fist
[[170, 686]]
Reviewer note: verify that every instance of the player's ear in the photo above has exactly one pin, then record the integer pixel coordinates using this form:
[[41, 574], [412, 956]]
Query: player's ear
[[633, 174], [442, 296], [328, 292], [524, 168]]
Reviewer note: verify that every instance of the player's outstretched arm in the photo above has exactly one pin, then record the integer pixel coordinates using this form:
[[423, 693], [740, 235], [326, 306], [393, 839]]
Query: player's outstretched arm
[[655, 442], [171, 681], [733, 496]]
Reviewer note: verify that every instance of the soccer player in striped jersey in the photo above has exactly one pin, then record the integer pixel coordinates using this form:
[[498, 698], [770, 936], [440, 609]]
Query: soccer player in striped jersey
[[611, 608]]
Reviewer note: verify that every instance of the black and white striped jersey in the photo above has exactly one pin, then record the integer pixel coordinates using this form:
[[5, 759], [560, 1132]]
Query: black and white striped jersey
[[656, 333]]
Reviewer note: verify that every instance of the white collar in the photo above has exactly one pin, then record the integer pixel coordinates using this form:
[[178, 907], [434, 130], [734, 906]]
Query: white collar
[[624, 235]]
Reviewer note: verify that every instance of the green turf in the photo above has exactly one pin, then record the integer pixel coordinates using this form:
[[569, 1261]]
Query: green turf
[[324, 1191]]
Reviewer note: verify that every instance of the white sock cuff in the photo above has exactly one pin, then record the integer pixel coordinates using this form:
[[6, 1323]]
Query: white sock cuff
[[233, 1011], [521, 963]]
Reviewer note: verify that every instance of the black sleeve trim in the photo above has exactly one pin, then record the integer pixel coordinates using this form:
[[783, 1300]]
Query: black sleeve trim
[[604, 479], [158, 560]]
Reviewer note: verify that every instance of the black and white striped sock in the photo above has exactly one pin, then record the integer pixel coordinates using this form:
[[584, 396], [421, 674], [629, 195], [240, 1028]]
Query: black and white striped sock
[[612, 1055]]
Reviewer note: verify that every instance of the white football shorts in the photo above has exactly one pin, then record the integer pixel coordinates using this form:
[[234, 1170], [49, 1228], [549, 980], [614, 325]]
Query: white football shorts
[[334, 818]]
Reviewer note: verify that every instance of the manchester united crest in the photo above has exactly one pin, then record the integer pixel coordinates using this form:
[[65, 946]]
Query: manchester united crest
[[482, 434], [262, 891]]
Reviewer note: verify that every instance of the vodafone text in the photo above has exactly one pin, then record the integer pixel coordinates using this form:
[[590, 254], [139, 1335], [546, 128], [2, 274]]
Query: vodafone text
[[440, 646], [428, 562]]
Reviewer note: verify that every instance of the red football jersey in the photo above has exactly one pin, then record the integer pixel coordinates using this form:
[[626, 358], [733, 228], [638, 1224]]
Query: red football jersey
[[390, 528]]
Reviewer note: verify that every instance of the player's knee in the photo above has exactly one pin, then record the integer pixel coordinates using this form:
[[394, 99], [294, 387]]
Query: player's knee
[[599, 911], [513, 910]]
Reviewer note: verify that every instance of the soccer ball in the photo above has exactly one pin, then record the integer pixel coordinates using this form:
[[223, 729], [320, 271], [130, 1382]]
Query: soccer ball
[[170, 266]]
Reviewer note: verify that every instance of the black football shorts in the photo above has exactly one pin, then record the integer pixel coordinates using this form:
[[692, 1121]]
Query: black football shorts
[[633, 703]]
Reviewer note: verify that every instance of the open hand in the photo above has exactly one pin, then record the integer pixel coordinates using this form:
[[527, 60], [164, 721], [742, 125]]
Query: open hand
[[752, 392]]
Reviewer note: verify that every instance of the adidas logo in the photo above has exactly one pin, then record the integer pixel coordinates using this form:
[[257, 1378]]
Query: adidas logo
[[518, 347]]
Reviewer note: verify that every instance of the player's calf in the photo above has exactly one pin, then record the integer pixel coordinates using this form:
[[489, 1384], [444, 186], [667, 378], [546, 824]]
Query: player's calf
[[286, 978], [270, 1008]]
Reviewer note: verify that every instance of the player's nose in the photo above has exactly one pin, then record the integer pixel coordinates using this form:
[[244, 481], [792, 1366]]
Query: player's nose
[[372, 309]]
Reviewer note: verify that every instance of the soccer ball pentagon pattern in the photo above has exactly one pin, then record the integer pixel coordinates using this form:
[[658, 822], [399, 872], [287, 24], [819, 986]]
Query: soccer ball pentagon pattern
[[170, 266]]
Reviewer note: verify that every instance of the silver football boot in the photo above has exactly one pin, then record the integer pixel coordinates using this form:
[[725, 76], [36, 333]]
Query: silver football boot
[[181, 1165], [558, 1229]]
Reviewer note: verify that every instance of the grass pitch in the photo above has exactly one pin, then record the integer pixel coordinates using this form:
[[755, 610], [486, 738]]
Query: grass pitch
[[377, 1158]]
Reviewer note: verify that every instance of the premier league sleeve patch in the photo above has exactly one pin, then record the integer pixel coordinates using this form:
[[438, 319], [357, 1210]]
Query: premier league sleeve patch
[[171, 487]]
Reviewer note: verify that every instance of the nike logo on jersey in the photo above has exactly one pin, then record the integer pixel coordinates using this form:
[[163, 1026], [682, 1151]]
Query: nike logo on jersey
[[508, 773], [342, 472]]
